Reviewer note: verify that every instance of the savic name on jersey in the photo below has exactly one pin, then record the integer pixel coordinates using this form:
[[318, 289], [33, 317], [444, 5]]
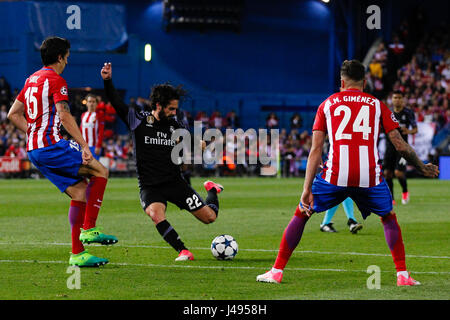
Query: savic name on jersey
[[353, 120]]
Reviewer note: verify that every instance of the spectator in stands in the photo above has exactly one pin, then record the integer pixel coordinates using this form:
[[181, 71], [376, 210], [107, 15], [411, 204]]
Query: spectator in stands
[[396, 50], [216, 120], [288, 153], [142, 102], [3, 113], [16, 150], [232, 120], [376, 69], [3, 136], [2, 147], [445, 73], [132, 103], [370, 87], [127, 150], [283, 136], [381, 54], [203, 117], [109, 148], [272, 121], [378, 87], [296, 121], [397, 47], [110, 117], [185, 118], [5, 91]]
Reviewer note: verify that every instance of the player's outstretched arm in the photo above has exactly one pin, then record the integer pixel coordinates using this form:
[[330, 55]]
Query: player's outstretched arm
[[111, 93], [15, 115], [428, 170]]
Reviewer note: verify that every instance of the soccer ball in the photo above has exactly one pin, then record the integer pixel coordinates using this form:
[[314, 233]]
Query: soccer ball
[[224, 247]]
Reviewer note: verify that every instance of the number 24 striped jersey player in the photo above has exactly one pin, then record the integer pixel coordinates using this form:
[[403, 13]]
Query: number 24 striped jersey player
[[352, 120]]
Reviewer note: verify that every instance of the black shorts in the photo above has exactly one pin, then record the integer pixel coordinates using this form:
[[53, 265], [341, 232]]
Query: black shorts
[[393, 160], [176, 191]]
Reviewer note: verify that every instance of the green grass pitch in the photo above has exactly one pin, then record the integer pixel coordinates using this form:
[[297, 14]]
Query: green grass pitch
[[35, 246]]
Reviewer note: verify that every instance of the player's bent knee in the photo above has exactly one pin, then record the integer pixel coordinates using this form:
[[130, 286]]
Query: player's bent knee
[[209, 215], [77, 192], [101, 170], [399, 174], [156, 215]]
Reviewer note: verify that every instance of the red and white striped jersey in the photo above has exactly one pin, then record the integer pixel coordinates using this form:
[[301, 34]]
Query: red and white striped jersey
[[92, 127], [353, 120], [42, 90]]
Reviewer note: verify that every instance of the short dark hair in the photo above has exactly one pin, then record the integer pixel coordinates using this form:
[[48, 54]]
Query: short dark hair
[[52, 48], [353, 69], [164, 93], [397, 92], [91, 95]]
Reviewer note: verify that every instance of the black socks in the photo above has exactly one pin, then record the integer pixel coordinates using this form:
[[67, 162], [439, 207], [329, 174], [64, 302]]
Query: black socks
[[402, 182], [212, 201], [170, 235]]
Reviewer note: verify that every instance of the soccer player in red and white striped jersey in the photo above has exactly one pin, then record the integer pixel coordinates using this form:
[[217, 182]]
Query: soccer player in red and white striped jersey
[[43, 90], [352, 119], [40, 108], [92, 125]]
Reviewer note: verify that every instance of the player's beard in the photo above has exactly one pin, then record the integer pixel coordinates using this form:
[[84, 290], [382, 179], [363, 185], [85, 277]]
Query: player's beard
[[163, 117]]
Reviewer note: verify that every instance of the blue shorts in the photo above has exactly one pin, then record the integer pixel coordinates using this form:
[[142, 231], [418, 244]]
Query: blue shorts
[[59, 163], [376, 199]]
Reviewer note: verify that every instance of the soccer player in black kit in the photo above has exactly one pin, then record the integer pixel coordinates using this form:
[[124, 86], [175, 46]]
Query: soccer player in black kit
[[160, 180], [393, 161]]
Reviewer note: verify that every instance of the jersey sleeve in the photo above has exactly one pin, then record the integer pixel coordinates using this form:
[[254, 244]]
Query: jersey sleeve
[[320, 121], [388, 119], [59, 90]]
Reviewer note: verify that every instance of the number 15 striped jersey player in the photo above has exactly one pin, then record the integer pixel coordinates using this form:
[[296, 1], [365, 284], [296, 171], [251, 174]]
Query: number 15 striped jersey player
[[352, 120], [39, 110]]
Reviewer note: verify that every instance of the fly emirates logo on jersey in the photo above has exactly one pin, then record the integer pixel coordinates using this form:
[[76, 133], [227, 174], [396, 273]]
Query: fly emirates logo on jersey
[[160, 139]]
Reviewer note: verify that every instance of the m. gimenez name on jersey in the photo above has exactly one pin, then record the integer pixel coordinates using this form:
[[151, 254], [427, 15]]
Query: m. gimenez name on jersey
[[352, 120], [152, 141]]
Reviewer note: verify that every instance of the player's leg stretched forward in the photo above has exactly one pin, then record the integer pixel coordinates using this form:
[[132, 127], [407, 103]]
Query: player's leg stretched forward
[[393, 235], [207, 214], [289, 241], [83, 212]]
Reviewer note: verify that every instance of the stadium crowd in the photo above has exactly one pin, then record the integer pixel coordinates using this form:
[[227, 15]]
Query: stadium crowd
[[421, 71]]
